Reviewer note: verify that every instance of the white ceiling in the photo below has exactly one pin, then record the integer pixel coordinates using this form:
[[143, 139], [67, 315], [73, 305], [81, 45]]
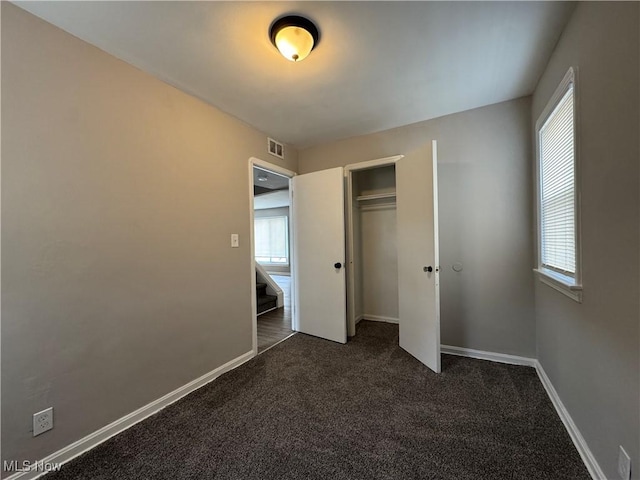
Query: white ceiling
[[378, 65]]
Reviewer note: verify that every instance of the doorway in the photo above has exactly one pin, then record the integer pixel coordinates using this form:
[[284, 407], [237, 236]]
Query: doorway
[[272, 260]]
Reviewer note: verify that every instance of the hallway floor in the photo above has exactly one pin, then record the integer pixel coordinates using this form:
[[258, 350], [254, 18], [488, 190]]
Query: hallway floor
[[275, 325]]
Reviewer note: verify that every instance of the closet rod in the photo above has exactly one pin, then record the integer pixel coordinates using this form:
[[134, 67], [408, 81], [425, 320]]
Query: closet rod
[[375, 196]]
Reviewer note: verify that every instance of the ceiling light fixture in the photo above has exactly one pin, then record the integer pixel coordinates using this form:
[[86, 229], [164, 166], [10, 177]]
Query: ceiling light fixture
[[262, 177], [294, 36]]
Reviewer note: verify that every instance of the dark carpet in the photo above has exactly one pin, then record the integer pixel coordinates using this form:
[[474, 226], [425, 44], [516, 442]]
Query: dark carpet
[[313, 409]]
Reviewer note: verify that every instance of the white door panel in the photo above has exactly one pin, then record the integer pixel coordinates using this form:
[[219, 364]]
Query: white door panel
[[418, 290], [319, 244]]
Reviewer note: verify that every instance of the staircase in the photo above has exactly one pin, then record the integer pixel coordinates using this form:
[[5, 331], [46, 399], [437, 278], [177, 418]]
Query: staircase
[[265, 302]]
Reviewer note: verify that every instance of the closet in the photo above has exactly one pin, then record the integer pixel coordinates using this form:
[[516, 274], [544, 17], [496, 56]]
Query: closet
[[372, 254], [389, 269]]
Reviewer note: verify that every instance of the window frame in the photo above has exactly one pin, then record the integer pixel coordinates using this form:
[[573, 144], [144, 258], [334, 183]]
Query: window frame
[[566, 284], [286, 241]]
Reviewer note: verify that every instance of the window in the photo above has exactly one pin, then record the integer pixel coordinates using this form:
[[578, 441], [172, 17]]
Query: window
[[558, 252], [272, 240]]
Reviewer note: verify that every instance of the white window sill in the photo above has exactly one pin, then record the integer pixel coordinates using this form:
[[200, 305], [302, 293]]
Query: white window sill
[[561, 283]]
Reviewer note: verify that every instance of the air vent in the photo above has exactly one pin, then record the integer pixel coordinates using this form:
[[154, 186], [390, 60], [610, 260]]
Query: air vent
[[275, 148]]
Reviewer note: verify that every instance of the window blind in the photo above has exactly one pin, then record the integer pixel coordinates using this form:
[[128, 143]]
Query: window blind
[[271, 239], [557, 186]]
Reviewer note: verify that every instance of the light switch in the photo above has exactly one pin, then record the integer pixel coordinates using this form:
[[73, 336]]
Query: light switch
[[235, 242]]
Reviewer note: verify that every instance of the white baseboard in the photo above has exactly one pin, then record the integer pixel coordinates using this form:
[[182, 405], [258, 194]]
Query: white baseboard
[[378, 318], [359, 318], [96, 438], [578, 440], [491, 356]]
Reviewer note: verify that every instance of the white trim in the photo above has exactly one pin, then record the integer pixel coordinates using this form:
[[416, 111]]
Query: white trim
[[272, 167], [352, 319], [491, 356], [94, 439], [378, 162], [436, 251], [578, 440], [359, 318], [379, 318], [256, 162], [557, 282]]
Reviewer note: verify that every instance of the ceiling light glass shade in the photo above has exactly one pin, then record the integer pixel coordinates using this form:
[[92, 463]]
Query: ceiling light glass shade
[[294, 37], [294, 43]]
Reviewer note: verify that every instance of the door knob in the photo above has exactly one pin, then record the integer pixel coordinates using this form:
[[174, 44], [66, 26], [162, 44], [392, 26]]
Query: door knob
[[427, 269], [337, 265]]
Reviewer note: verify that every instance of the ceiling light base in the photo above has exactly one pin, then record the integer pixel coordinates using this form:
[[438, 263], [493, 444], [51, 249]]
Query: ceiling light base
[[294, 36]]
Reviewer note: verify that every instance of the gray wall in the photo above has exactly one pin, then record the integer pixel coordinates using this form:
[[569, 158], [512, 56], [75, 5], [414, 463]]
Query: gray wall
[[484, 162], [118, 281], [379, 262], [590, 351], [277, 212]]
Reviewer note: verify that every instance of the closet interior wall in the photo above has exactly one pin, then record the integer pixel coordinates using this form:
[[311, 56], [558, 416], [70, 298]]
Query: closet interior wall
[[375, 262]]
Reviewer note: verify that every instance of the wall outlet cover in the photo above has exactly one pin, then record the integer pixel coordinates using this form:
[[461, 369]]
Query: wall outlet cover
[[42, 421]]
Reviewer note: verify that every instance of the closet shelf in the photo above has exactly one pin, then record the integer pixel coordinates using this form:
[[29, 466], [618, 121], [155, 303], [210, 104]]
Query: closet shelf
[[375, 196]]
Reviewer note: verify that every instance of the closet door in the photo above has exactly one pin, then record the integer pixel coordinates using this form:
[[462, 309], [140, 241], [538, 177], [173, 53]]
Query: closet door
[[319, 254], [418, 262]]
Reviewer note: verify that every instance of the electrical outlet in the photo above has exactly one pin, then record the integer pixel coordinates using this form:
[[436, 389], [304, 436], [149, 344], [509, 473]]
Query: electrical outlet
[[624, 464], [42, 421]]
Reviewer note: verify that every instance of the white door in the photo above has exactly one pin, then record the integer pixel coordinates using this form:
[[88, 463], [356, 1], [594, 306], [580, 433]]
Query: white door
[[319, 254], [418, 262]]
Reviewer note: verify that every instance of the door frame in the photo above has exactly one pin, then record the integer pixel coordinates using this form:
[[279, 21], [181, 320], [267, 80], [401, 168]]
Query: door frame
[[351, 285], [270, 167]]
